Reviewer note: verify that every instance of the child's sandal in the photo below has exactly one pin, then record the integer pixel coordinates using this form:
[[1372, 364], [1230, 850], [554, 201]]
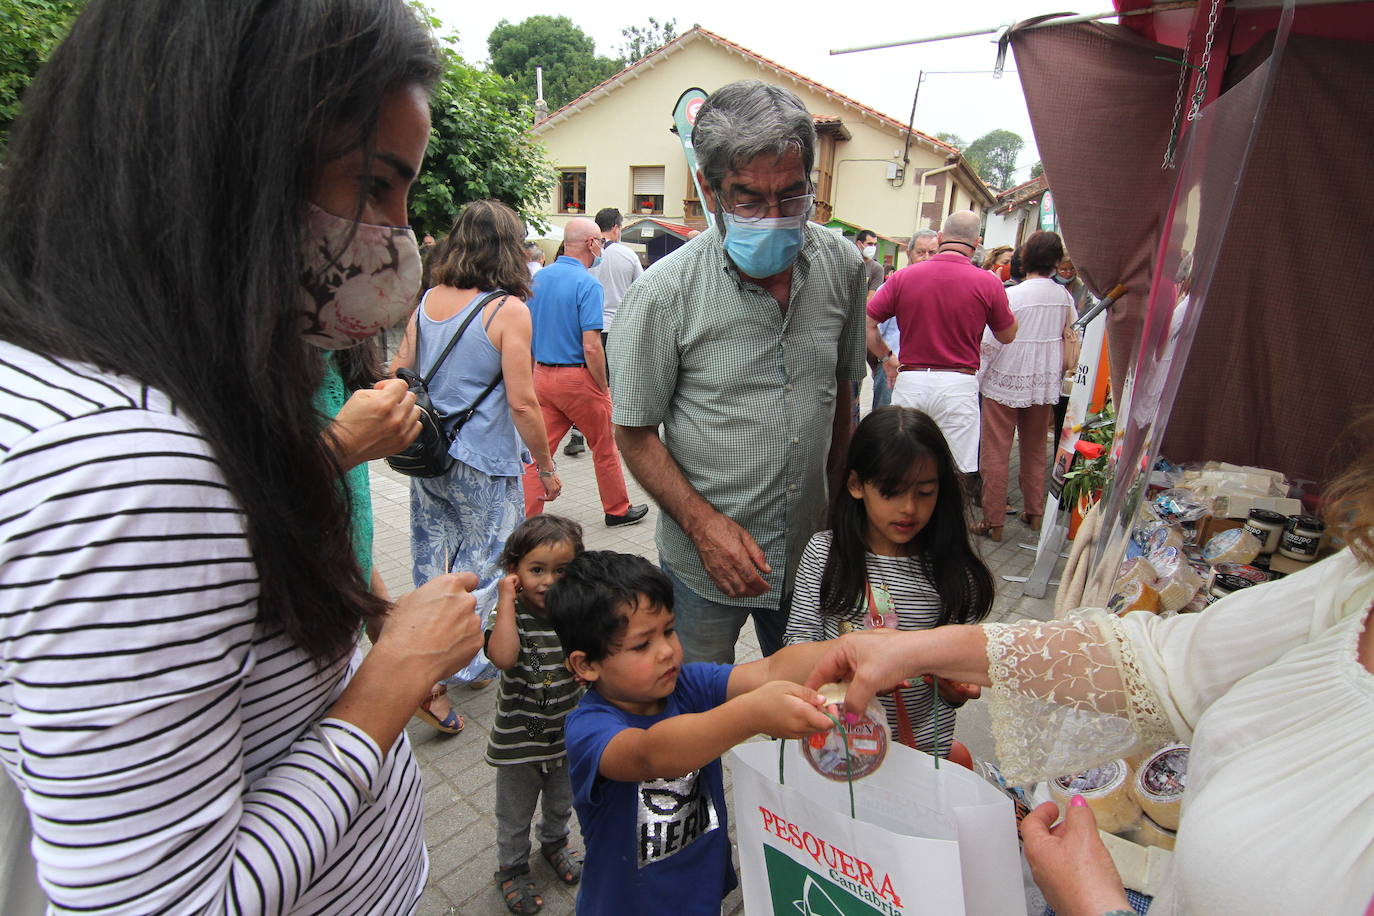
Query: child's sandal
[[519, 894], [566, 863]]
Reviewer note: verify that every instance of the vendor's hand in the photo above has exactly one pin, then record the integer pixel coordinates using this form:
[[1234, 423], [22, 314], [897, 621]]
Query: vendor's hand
[[374, 423], [870, 661], [731, 556], [435, 627], [1071, 865], [893, 369], [783, 709], [553, 485]]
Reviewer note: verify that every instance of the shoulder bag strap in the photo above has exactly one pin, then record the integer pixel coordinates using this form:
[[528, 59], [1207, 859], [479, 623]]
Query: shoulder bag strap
[[477, 310], [465, 415]]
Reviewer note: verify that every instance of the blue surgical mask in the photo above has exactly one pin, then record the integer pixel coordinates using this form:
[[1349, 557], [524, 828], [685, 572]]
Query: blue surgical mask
[[596, 261], [1062, 281], [765, 247]]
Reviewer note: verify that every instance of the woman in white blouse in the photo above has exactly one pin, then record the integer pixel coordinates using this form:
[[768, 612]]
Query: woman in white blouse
[[197, 192], [1273, 688], [1020, 384]]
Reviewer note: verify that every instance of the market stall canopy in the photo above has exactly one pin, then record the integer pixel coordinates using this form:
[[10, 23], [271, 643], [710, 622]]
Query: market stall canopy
[[1277, 369], [645, 230], [551, 232]]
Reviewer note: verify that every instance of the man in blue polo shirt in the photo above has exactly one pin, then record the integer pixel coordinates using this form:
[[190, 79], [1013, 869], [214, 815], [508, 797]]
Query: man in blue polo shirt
[[570, 369]]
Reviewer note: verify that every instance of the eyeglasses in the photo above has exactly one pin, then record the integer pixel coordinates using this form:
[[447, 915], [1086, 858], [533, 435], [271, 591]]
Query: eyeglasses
[[751, 211]]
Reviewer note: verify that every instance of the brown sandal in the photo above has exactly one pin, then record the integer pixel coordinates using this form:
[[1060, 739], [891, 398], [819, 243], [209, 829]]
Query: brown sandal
[[1030, 521], [991, 532]]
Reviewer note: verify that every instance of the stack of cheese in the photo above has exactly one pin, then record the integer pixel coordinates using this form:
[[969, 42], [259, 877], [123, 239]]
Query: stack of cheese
[[1139, 802]]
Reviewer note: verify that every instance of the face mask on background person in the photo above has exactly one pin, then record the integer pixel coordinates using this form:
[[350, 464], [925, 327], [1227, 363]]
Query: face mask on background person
[[1062, 280], [358, 279], [870, 251], [764, 247]]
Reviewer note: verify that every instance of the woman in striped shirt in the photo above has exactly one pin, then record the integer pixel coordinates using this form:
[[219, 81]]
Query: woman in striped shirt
[[196, 189]]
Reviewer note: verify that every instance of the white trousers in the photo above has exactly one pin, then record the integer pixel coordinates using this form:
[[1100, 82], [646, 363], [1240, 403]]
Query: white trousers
[[951, 400]]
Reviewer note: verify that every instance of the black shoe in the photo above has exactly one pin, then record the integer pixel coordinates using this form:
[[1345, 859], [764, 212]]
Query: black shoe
[[576, 445], [633, 517]]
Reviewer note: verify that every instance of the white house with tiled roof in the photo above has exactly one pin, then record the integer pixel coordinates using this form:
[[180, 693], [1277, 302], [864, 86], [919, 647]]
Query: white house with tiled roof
[[613, 147]]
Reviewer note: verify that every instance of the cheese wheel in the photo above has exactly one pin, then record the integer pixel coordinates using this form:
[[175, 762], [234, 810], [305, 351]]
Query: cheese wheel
[[1148, 833], [1159, 783], [1166, 560], [1163, 536], [1178, 588], [1235, 545], [1136, 569], [1106, 789], [1136, 596]]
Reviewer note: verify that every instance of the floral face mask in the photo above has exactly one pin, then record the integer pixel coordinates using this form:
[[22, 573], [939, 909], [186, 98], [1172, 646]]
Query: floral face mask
[[352, 288]]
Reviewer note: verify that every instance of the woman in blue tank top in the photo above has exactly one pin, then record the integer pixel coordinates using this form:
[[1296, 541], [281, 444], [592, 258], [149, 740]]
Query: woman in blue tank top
[[460, 520]]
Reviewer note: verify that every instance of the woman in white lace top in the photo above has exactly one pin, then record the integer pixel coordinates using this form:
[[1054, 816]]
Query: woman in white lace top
[[1273, 687], [1020, 384]]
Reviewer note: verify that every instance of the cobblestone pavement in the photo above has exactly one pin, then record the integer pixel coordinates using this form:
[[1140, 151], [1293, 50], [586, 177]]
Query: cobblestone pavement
[[460, 787]]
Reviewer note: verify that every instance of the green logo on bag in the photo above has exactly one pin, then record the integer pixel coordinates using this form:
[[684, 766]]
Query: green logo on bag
[[798, 891]]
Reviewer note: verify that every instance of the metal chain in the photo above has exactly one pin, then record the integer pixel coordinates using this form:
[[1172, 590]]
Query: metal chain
[[1172, 148], [1200, 92]]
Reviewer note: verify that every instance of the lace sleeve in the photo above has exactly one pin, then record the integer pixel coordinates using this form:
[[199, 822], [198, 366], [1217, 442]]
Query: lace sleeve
[[1066, 695]]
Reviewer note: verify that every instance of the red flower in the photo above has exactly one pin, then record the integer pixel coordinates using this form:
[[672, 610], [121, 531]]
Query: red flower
[[1088, 450]]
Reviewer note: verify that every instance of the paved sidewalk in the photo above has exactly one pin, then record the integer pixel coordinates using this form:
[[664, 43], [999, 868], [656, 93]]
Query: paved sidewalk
[[460, 827]]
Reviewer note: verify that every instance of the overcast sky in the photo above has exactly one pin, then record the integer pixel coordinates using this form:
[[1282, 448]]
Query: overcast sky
[[800, 35]]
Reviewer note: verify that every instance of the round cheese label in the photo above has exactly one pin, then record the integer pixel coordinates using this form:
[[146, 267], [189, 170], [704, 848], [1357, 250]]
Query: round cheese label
[[867, 740], [1098, 781], [1165, 775]]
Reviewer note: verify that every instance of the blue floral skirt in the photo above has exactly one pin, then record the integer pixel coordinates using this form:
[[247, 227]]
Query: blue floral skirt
[[459, 522]]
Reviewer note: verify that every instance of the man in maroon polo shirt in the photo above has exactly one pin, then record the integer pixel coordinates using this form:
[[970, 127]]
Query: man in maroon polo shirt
[[942, 306]]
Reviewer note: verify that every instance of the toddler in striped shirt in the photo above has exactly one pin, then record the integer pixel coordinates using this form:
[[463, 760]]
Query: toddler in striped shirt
[[536, 694]]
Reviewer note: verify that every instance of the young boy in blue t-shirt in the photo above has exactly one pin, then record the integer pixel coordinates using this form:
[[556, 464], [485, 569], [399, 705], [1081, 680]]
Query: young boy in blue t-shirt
[[645, 741]]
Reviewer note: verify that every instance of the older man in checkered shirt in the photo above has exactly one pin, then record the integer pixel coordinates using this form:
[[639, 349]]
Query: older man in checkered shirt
[[741, 346]]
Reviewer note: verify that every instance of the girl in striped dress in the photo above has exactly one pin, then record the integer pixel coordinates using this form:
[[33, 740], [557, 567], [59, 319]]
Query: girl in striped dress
[[536, 694], [897, 555]]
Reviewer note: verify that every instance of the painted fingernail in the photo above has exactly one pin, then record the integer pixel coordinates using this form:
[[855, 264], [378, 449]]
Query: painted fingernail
[[1078, 801], [851, 718]]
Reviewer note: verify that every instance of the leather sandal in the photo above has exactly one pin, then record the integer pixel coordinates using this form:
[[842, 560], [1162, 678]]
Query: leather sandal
[[566, 863], [450, 724], [1030, 521], [519, 894], [991, 532]]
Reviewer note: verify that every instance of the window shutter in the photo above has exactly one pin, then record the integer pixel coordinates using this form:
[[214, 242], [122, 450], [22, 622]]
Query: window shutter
[[648, 180]]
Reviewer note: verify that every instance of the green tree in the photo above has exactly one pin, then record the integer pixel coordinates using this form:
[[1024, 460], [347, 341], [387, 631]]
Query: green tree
[[641, 41], [567, 54], [479, 145], [953, 140], [1037, 170], [29, 30], [993, 156]]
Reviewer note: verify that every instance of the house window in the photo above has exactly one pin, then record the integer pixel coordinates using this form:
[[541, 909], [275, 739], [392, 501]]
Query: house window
[[572, 191], [646, 186]]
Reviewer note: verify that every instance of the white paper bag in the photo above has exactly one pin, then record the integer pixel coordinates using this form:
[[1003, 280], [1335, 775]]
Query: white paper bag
[[923, 841]]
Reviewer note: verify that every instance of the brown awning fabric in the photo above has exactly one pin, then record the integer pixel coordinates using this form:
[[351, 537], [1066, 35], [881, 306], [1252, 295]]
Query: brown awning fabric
[[1101, 107], [1281, 360]]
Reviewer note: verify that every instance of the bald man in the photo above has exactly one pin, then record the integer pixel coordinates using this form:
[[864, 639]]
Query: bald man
[[570, 369], [942, 306]]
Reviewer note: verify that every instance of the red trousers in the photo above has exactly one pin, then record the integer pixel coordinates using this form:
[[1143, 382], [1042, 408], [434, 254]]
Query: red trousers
[[568, 397], [999, 422]]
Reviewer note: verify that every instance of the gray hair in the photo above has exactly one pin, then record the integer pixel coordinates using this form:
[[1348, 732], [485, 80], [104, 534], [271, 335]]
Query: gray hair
[[919, 235], [747, 119]]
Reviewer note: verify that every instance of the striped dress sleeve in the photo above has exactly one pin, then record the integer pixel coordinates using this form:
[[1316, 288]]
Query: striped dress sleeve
[[128, 599]]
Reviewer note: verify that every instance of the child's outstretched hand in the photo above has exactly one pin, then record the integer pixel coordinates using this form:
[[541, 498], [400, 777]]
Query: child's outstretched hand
[[783, 709]]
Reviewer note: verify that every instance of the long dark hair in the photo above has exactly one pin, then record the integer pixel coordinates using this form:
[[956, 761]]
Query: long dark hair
[[168, 148], [484, 251], [887, 451]]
